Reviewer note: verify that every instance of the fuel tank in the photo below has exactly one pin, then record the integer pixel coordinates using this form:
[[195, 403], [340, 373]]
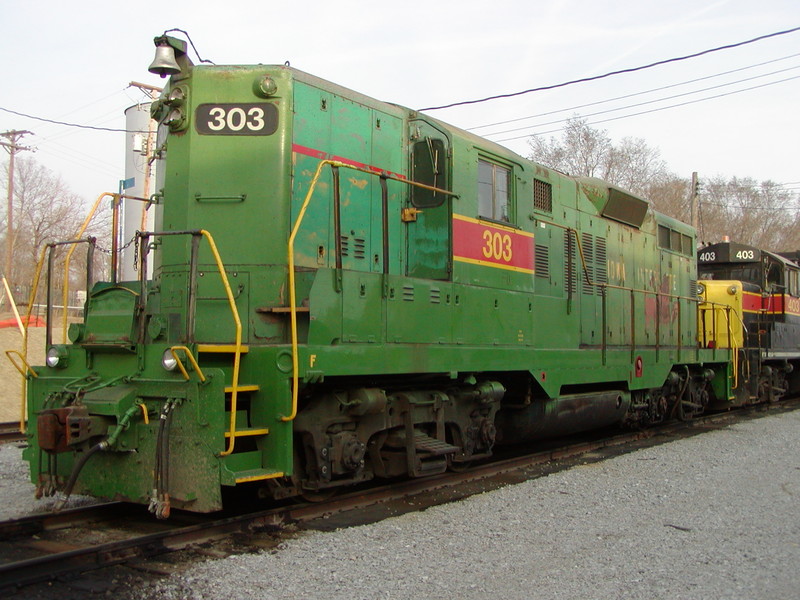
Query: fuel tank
[[564, 415]]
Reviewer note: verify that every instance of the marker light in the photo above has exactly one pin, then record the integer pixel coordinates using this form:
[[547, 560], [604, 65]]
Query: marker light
[[56, 357], [168, 361]]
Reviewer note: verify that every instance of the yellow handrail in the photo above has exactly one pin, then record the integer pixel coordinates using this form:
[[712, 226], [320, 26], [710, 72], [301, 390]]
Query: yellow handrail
[[31, 299], [726, 310], [65, 292], [292, 292], [238, 349], [290, 252], [22, 372], [192, 360], [13, 304]]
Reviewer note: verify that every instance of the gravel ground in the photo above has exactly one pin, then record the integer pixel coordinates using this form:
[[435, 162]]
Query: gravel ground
[[713, 516]]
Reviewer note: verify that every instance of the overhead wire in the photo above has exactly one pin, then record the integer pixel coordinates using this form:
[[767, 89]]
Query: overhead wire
[[740, 207], [624, 97], [644, 112], [656, 100], [614, 73], [66, 124]]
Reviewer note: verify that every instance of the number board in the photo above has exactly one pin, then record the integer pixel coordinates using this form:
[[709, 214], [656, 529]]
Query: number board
[[236, 119], [728, 253]]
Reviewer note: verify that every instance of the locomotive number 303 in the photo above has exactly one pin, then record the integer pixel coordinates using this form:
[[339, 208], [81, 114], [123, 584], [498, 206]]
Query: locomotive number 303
[[498, 246], [237, 119]]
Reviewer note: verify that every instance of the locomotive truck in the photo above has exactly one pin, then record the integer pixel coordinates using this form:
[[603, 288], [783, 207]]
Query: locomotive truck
[[345, 289]]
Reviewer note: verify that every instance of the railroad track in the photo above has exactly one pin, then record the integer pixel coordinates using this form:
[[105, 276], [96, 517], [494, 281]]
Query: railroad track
[[9, 432], [43, 547]]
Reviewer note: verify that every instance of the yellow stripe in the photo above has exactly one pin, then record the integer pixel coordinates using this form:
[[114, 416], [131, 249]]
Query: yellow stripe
[[242, 388], [258, 477], [221, 348], [493, 224], [246, 432], [485, 263]]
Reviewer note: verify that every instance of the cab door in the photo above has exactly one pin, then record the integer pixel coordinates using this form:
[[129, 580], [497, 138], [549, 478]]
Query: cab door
[[427, 215]]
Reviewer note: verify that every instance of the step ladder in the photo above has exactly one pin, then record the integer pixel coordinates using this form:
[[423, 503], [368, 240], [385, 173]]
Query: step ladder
[[241, 466]]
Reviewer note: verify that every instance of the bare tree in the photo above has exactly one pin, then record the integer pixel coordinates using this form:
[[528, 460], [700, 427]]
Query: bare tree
[[584, 151], [45, 211], [581, 150], [759, 214], [635, 166]]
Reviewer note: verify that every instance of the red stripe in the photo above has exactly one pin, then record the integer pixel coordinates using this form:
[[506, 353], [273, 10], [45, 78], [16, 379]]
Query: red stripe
[[751, 302], [319, 154], [771, 303], [482, 242]]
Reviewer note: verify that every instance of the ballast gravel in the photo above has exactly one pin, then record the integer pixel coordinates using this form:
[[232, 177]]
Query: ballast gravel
[[712, 516]]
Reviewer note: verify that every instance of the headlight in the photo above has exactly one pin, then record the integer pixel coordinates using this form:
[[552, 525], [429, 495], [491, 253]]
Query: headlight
[[168, 361], [56, 357]]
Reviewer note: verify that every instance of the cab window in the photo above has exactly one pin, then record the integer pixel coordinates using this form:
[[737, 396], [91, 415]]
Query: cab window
[[493, 191], [429, 160]]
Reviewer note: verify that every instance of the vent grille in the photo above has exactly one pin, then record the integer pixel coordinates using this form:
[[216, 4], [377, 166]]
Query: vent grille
[[601, 262], [587, 276], [436, 296], [570, 272], [408, 293], [542, 196], [542, 261], [358, 247]]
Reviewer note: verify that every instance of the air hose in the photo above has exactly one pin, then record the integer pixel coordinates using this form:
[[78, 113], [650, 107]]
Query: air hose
[[159, 501], [83, 458], [76, 469]]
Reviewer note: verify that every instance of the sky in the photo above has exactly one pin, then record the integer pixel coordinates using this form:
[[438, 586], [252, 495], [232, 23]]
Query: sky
[[73, 62]]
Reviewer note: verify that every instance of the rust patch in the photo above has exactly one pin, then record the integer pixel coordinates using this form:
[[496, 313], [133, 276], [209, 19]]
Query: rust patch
[[359, 183]]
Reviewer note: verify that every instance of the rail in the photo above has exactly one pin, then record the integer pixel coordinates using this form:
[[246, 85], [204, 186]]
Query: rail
[[335, 165]]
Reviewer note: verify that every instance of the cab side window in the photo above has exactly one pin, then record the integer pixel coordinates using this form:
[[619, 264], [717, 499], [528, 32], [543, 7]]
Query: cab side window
[[493, 191], [429, 164]]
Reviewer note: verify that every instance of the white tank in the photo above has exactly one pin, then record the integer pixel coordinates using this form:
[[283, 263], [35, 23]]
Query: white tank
[[139, 146]]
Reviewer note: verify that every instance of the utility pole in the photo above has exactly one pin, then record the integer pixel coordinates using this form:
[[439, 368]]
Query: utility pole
[[695, 201], [12, 147], [153, 92]]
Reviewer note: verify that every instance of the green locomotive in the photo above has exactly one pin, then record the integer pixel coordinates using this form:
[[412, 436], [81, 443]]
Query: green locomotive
[[345, 289]]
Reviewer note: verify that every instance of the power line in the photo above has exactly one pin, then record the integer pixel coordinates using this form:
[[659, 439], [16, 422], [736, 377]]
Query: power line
[[19, 114], [611, 110], [740, 207], [645, 112], [612, 73], [658, 89]]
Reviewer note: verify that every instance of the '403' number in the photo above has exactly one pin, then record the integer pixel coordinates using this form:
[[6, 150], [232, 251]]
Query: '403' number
[[498, 246]]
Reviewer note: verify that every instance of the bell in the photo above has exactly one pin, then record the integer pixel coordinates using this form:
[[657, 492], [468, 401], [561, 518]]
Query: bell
[[164, 63]]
